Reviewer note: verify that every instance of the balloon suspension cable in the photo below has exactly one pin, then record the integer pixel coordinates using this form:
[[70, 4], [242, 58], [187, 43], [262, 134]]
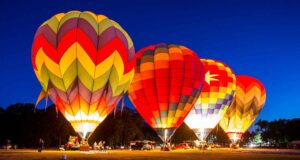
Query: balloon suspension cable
[[235, 137], [115, 111], [122, 105], [46, 104], [56, 108], [165, 134]]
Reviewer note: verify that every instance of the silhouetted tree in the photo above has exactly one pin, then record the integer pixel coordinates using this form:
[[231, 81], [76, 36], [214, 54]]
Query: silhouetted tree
[[219, 136], [247, 137], [279, 133], [120, 129], [24, 126], [183, 133]]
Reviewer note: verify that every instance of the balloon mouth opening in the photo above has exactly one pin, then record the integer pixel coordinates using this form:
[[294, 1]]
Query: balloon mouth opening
[[165, 134], [202, 133], [84, 129], [235, 137]]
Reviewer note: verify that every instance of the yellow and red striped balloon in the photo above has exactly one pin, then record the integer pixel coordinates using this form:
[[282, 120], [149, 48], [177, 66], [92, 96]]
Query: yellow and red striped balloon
[[250, 97], [85, 63], [214, 100]]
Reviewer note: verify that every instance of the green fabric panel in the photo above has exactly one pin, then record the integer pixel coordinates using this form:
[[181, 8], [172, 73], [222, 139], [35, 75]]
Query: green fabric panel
[[84, 77], [57, 82], [103, 25], [114, 80], [70, 74], [101, 81]]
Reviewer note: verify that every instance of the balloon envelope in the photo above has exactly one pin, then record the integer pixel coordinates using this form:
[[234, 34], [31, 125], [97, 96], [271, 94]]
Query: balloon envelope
[[248, 102], [215, 98], [85, 63], [167, 82]]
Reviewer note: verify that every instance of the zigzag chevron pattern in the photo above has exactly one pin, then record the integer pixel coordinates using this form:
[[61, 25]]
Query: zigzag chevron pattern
[[249, 100], [84, 62], [215, 98], [166, 84]]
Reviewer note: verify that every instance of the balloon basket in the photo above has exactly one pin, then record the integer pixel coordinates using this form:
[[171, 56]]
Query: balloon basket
[[234, 146], [84, 146], [166, 148], [203, 145], [165, 135]]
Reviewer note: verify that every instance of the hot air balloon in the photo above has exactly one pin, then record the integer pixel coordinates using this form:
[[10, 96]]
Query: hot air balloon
[[85, 64], [167, 82], [249, 100], [215, 98]]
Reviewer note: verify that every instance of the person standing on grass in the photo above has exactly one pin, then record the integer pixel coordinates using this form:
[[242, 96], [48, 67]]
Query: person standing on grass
[[40, 145], [8, 144]]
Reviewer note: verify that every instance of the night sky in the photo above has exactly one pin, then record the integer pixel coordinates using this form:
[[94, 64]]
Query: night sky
[[258, 38]]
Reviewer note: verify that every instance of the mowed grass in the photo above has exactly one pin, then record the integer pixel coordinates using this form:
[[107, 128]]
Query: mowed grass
[[217, 154]]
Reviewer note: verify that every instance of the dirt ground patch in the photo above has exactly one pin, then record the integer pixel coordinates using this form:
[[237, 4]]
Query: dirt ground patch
[[216, 154]]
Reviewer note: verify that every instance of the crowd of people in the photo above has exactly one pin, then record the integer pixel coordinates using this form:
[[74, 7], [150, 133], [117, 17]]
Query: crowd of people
[[100, 146]]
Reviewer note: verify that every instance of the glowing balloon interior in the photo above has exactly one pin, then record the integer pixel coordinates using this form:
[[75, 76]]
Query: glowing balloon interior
[[85, 63], [249, 100], [167, 82], [165, 134], [215, 98]]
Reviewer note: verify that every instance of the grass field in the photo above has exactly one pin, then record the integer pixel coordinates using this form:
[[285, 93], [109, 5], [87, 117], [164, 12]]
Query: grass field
[[217, 154]]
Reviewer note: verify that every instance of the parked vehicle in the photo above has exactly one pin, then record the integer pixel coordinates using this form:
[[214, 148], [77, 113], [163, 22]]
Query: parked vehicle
[[295, 144], [142, 145], [182, 146]]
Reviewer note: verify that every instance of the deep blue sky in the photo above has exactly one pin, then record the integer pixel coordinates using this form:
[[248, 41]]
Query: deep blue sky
[[258, 38]]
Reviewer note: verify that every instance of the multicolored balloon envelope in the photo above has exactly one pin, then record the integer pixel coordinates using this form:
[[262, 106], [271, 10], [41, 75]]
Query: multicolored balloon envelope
[[85, 63], [167, 82], [248, 102], [214, 99]]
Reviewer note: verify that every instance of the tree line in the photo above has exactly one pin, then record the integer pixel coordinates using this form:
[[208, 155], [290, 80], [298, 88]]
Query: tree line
[[24, 125], [279, 133]]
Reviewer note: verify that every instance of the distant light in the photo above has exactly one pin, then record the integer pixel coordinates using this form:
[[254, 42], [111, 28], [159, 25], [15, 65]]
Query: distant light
[[252, 145]]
